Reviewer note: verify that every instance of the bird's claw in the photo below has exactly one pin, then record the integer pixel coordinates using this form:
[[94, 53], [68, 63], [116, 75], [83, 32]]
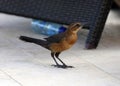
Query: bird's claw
[[63, 66]]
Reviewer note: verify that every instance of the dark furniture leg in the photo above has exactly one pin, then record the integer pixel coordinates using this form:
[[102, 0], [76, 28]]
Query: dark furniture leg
[[93, 38], [96, 31]]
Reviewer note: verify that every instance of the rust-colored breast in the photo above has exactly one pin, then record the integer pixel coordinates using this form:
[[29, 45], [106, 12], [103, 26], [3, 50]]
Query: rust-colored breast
[[71, 39], [64, 44], [59, 47]]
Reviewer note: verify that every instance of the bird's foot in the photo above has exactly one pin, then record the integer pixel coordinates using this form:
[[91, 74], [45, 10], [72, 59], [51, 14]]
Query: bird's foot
[[63, 66]]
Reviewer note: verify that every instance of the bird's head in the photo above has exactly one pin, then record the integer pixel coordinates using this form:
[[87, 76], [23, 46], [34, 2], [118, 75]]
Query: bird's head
[[75, 27]]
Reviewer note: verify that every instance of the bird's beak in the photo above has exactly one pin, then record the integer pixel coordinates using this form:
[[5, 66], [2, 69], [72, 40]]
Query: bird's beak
[[82, 25], [85, 25]]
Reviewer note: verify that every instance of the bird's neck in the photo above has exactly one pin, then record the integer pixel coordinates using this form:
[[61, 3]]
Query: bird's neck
[[71, 37]]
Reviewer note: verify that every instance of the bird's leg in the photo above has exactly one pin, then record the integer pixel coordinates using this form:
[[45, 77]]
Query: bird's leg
[[52, 55], [57, 65], [64, 65], [57, 56]]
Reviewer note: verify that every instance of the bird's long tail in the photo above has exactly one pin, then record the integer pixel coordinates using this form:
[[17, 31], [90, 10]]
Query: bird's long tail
[[40, 42]]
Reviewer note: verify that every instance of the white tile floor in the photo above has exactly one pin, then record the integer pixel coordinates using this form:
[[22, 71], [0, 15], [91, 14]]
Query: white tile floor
[[26, 64]]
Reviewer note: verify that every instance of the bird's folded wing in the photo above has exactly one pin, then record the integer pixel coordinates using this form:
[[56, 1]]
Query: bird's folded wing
[[56, 38]]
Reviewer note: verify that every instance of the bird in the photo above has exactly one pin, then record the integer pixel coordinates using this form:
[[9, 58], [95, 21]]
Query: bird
[[58, 43]]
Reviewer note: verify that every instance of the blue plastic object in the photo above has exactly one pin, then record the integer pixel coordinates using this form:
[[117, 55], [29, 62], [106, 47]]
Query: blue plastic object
[[47, 28]]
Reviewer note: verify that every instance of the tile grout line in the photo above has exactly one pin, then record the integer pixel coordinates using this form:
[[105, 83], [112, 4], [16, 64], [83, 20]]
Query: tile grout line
[[103, 70], [11, 77], [100, 69]]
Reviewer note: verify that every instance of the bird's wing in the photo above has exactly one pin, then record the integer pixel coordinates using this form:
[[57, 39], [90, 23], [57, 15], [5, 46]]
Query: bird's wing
[[55, 38]]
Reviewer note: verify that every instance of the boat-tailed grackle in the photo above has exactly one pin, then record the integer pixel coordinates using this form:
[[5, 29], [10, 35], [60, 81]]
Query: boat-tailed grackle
[[58, 43]]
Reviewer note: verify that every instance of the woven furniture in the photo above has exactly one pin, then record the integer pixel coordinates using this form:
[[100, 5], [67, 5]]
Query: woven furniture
[[91, 12]]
